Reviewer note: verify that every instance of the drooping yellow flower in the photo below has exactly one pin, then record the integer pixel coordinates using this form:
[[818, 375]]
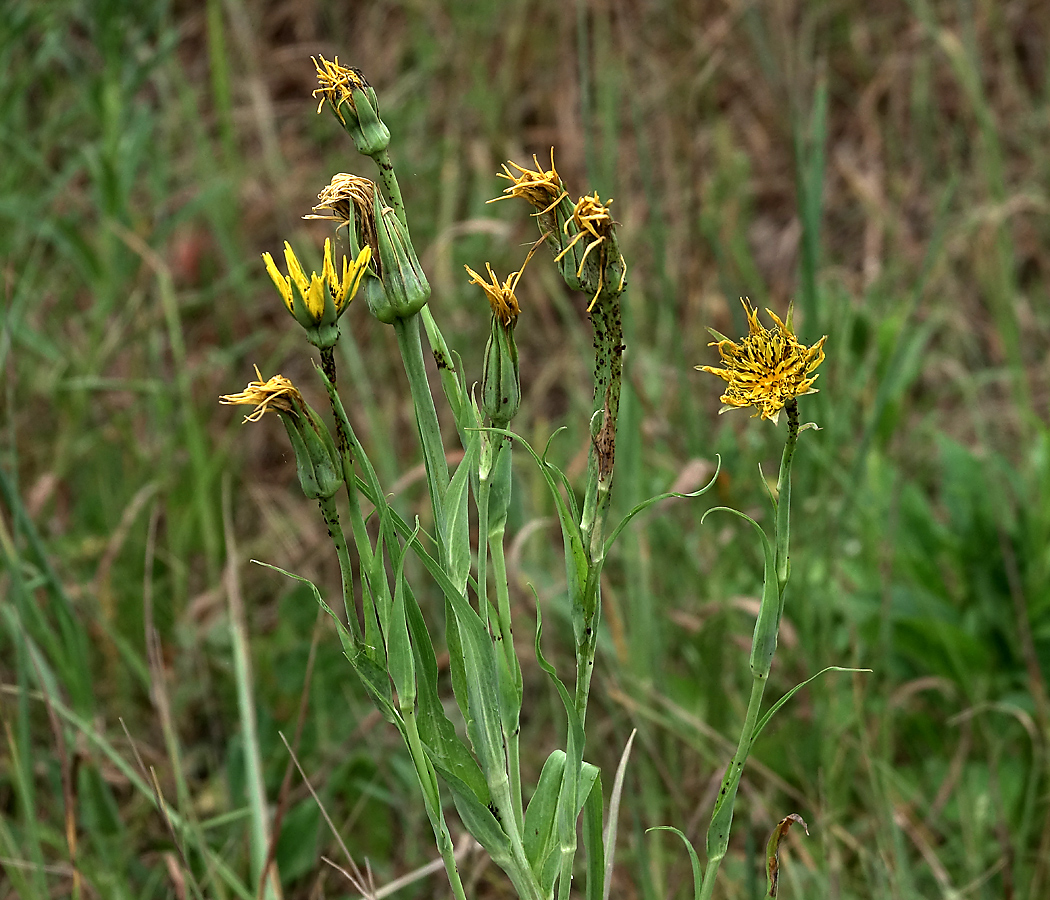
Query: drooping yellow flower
[[543, 189], [337, 84], [311, 291], [278, 393], [767, 368]]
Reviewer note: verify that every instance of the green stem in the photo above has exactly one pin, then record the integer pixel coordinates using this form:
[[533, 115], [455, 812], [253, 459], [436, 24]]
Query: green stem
[[388, 179], [510, 723], [722, 819], [461, 409], [335, 532], [408, 342], [431, 798], [608, 374], [783, 563]]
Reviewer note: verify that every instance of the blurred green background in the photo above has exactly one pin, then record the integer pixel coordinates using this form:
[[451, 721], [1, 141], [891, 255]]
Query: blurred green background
[[881, 164]]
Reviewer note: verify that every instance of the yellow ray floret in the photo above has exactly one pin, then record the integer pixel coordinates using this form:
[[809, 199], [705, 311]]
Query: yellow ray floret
[[277, 393], [767, 368]]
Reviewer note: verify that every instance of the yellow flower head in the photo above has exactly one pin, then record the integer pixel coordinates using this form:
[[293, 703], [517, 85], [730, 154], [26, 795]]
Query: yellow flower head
[[543, 189], [501, 296], [278, 393], [341, 285], [337, 84], [767, 368]]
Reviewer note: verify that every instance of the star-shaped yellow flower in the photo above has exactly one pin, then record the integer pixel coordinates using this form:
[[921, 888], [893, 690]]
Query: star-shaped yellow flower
[[767, 368], [341, 286]]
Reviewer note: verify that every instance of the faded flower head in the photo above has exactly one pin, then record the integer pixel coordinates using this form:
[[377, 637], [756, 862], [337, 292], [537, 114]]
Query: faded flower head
[[278, 393], [316, 460], [592, 222], [345, 198], [543, 189], [767, 368], [337, 84], [501, 296]]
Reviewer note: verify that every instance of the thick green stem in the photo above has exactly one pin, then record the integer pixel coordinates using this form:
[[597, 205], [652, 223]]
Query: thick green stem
[[722, 819], [408, 342], [391, 189], [608, 374]]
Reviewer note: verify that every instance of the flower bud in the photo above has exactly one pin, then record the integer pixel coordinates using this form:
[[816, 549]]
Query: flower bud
[[500, 381], [401, 289]]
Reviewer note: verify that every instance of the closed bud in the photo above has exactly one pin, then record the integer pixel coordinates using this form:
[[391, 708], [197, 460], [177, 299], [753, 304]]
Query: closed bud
[[402, 289], [500, 380]]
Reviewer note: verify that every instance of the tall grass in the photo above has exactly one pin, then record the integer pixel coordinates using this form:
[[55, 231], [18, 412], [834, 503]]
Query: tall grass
[[883, 165]]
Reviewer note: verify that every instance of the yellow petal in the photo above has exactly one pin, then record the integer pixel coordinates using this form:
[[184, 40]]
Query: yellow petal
[[295, 271], [313, 296], [328, 267], [283, 284]]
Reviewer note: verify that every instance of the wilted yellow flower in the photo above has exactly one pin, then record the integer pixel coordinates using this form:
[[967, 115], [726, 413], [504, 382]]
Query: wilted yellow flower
[[592, 220], [341, 286], [346, 195], [278, 393], [337, 84], [767, 368], [543, 189], [501, 296]]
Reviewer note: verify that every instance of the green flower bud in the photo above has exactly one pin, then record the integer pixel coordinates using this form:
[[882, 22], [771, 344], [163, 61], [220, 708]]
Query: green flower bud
[[500, 381], [404, 288]]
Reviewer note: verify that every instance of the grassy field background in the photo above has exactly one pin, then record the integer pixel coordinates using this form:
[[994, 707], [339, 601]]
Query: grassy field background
[[882, 164]]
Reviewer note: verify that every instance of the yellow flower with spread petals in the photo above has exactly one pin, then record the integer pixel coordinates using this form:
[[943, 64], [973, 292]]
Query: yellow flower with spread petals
[[318, 301], [767, 368]]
